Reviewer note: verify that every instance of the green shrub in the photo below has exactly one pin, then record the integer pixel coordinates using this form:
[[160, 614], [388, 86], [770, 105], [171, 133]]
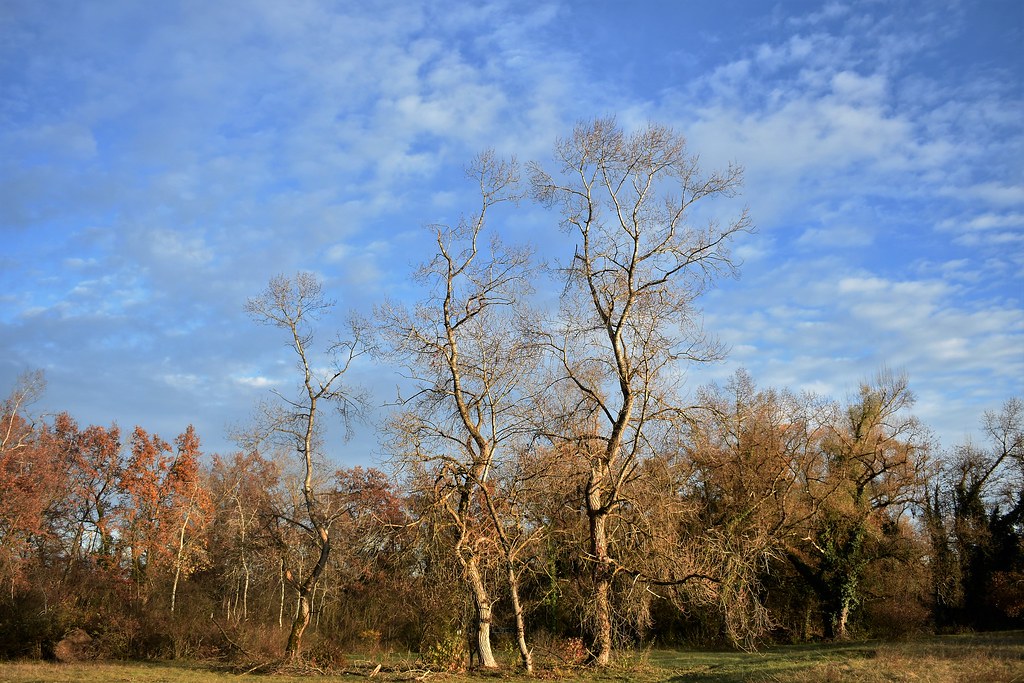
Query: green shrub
[[449, 652]]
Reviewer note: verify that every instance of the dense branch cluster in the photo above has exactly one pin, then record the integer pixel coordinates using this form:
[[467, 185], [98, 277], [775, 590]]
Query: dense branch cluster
[[551, 485]]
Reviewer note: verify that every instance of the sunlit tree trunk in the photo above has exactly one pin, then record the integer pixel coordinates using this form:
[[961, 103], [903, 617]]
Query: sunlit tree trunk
[[461, 347], [602, 576], [178, 560], [525, 656], [482, 603]]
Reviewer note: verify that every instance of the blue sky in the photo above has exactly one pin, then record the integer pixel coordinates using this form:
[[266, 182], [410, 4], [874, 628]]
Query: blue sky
[[159, 162]]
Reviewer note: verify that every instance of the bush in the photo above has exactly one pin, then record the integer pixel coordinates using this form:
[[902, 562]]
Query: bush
[[29, 627], [896, 620], [325, 655], [449, 652]]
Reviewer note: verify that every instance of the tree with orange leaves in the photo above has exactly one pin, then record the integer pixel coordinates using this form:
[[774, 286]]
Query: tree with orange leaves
[[94, 465], [188, 509], [140, 505], [27, 475]]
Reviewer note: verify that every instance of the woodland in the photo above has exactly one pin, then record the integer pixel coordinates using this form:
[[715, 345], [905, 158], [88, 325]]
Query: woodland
[[551, 481]]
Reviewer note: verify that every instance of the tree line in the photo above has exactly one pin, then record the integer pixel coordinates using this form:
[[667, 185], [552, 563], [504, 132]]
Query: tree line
[[551, 482]]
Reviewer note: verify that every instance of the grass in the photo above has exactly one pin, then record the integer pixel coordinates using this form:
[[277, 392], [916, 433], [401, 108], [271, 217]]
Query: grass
[[979, 658]]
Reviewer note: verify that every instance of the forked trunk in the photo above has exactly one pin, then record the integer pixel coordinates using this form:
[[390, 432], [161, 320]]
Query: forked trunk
[[306, 590]]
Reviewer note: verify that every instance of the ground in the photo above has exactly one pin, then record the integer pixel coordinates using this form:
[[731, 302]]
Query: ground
[[982, 658]]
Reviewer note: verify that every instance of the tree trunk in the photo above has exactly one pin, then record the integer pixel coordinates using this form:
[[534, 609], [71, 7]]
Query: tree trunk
[[517, 608], [837, 615], [177, 561], [280, 611], [299, 624], [602, 585], [482, 602], [306, 590], [174, 587], [841, 620], [245, 590]]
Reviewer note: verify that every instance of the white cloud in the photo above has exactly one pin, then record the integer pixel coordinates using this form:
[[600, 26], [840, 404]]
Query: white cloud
[[831, 11], [256, 382], [989, 231], [849, 86], [999, 194], [983, 222]]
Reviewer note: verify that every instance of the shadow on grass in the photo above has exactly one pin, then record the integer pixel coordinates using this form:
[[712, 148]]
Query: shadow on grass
[[729, 667], [836, 661]]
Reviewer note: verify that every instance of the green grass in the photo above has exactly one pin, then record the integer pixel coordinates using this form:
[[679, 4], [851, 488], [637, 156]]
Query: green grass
[[981, 658]]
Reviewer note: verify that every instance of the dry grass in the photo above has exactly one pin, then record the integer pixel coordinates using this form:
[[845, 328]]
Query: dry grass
[[983, 658]]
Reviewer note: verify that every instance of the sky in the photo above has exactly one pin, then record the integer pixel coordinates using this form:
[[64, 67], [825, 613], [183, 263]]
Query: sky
[[160, 162]]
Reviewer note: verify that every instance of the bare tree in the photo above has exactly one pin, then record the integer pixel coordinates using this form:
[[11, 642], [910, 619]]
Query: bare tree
[[242, 490], [294, 304], [628, 321], [469, 367]]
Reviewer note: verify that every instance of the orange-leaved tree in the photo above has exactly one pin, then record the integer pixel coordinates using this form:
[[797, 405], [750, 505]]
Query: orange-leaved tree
[[187, 508]]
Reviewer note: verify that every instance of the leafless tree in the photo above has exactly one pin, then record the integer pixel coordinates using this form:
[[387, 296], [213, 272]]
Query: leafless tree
[[294, 304], [469, 366], [628, 322]]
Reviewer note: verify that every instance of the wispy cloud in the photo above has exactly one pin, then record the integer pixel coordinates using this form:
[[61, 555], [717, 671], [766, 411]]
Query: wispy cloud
[[160, 161]]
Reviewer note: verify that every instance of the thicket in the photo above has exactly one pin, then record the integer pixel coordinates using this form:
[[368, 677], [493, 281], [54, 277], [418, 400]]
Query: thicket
[[161, 553]]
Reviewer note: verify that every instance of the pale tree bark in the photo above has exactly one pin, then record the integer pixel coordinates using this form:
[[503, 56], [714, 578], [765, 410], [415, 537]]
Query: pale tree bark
[[178, 559], [470, 366], [293, 304], [284, 584], [512, 538], [244, 559], [525, 655], [627, 321]]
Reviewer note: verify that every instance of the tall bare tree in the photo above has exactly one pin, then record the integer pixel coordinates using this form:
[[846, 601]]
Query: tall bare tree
[[628, 319], [294, 304], [469, 367]]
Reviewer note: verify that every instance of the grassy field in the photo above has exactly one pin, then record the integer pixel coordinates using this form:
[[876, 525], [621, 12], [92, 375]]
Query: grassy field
[[982, 658]]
